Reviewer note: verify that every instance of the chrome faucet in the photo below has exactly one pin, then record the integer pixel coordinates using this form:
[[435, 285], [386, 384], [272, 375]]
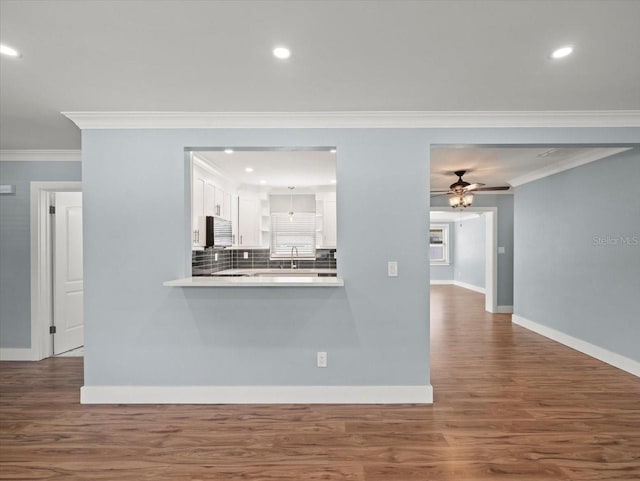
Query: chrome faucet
[[293, 266]]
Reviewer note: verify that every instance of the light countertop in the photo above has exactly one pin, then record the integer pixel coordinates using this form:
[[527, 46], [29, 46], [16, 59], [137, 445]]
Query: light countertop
[[262, 278], [258, 281]]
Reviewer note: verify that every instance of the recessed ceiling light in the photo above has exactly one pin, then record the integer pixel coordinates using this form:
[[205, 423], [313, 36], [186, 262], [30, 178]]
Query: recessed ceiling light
[[263, 181], [8, 51], [249, 169], [333, 151], [281, 52], [228, 151], [562, 52]]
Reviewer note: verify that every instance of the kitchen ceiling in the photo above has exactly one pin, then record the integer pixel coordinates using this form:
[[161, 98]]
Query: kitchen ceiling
[[346, 56], [277, 168]]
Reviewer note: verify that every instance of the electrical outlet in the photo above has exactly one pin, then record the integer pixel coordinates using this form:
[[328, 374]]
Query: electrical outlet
[[392, 268], [246, 255], [321, 359], [501, 250], [215, 256]]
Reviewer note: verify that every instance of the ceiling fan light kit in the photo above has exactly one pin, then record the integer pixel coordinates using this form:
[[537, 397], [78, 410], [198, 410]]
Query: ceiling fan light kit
[[461, 201], [461, 191]]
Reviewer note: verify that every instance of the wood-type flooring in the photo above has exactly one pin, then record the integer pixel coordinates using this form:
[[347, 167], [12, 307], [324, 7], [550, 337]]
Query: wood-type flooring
[[509, 405]]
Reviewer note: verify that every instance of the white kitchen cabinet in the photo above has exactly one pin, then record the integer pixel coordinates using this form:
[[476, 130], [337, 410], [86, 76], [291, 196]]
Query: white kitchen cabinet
[[202, 205], [329, 230], [265, 222], [209, 198], [197, 212], [326, 231], [248, 221], [219, 202], [233, 217], [226, 206]]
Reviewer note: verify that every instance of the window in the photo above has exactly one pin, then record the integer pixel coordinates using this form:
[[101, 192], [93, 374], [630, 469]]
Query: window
[[439, 244], [296, 233]]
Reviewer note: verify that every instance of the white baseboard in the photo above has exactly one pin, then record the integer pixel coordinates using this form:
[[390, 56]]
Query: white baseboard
[[451, 282], [504, 309], [471, 287], [16, 354], [604, 355], [256, 394]]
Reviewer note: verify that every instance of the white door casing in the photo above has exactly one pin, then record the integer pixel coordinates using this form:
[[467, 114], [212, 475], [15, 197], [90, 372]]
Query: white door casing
[[68, 282]]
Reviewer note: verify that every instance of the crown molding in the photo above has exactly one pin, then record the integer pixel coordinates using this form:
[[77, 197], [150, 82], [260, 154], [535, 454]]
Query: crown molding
[[560, 166], [40, 155], [362, 119], [207, 167]]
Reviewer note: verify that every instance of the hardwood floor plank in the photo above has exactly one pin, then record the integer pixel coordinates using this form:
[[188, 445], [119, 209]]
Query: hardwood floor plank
[[509, 405]]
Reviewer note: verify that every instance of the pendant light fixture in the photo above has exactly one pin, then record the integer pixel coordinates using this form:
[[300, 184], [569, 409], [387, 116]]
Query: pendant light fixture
[[291, 204]]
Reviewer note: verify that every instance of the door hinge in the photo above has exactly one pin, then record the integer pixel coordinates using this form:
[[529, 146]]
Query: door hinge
[[52, 329], [52, 209]]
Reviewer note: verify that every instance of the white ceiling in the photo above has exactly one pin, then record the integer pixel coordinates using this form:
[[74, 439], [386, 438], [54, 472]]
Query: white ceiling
[[456, 55], [281, 168], [498, 166], [452, 215], [493, 166]]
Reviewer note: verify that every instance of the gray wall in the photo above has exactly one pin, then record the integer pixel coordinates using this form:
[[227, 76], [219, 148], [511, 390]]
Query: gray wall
[[573, 271], [375, 329], [15, 277], [504, 203], [470, 251], [445, 273]]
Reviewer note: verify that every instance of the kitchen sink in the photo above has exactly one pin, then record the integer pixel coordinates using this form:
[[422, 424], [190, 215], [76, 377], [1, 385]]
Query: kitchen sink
[[286, 273], [215, 274]]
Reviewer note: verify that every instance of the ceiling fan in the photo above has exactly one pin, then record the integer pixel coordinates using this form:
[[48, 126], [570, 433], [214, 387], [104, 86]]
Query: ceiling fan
[[462, 192]]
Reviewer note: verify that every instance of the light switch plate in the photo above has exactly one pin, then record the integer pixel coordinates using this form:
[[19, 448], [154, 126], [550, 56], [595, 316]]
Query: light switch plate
[[500, 250], [321, 359], [246, 255], [392, 268], [7, 189]]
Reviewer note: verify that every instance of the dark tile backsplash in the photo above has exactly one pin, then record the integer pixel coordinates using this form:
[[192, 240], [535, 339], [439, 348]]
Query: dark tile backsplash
[[204, 263]]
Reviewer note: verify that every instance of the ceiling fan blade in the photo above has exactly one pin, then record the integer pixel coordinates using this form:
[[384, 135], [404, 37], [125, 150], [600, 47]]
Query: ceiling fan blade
[[473, 186], [440, 191], [501, 187], [435, 194]]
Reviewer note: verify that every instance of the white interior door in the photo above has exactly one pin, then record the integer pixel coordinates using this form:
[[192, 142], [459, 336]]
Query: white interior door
[[67, 272]]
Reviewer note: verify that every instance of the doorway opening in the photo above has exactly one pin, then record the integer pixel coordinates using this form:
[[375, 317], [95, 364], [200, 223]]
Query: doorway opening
[[468, 245], [57, 324], [470, 178]]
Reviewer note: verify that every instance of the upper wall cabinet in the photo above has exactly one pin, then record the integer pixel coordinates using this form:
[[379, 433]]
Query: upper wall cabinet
[[198, 212], [326, 220], [222, 203], [248, 221], [208, 199]]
